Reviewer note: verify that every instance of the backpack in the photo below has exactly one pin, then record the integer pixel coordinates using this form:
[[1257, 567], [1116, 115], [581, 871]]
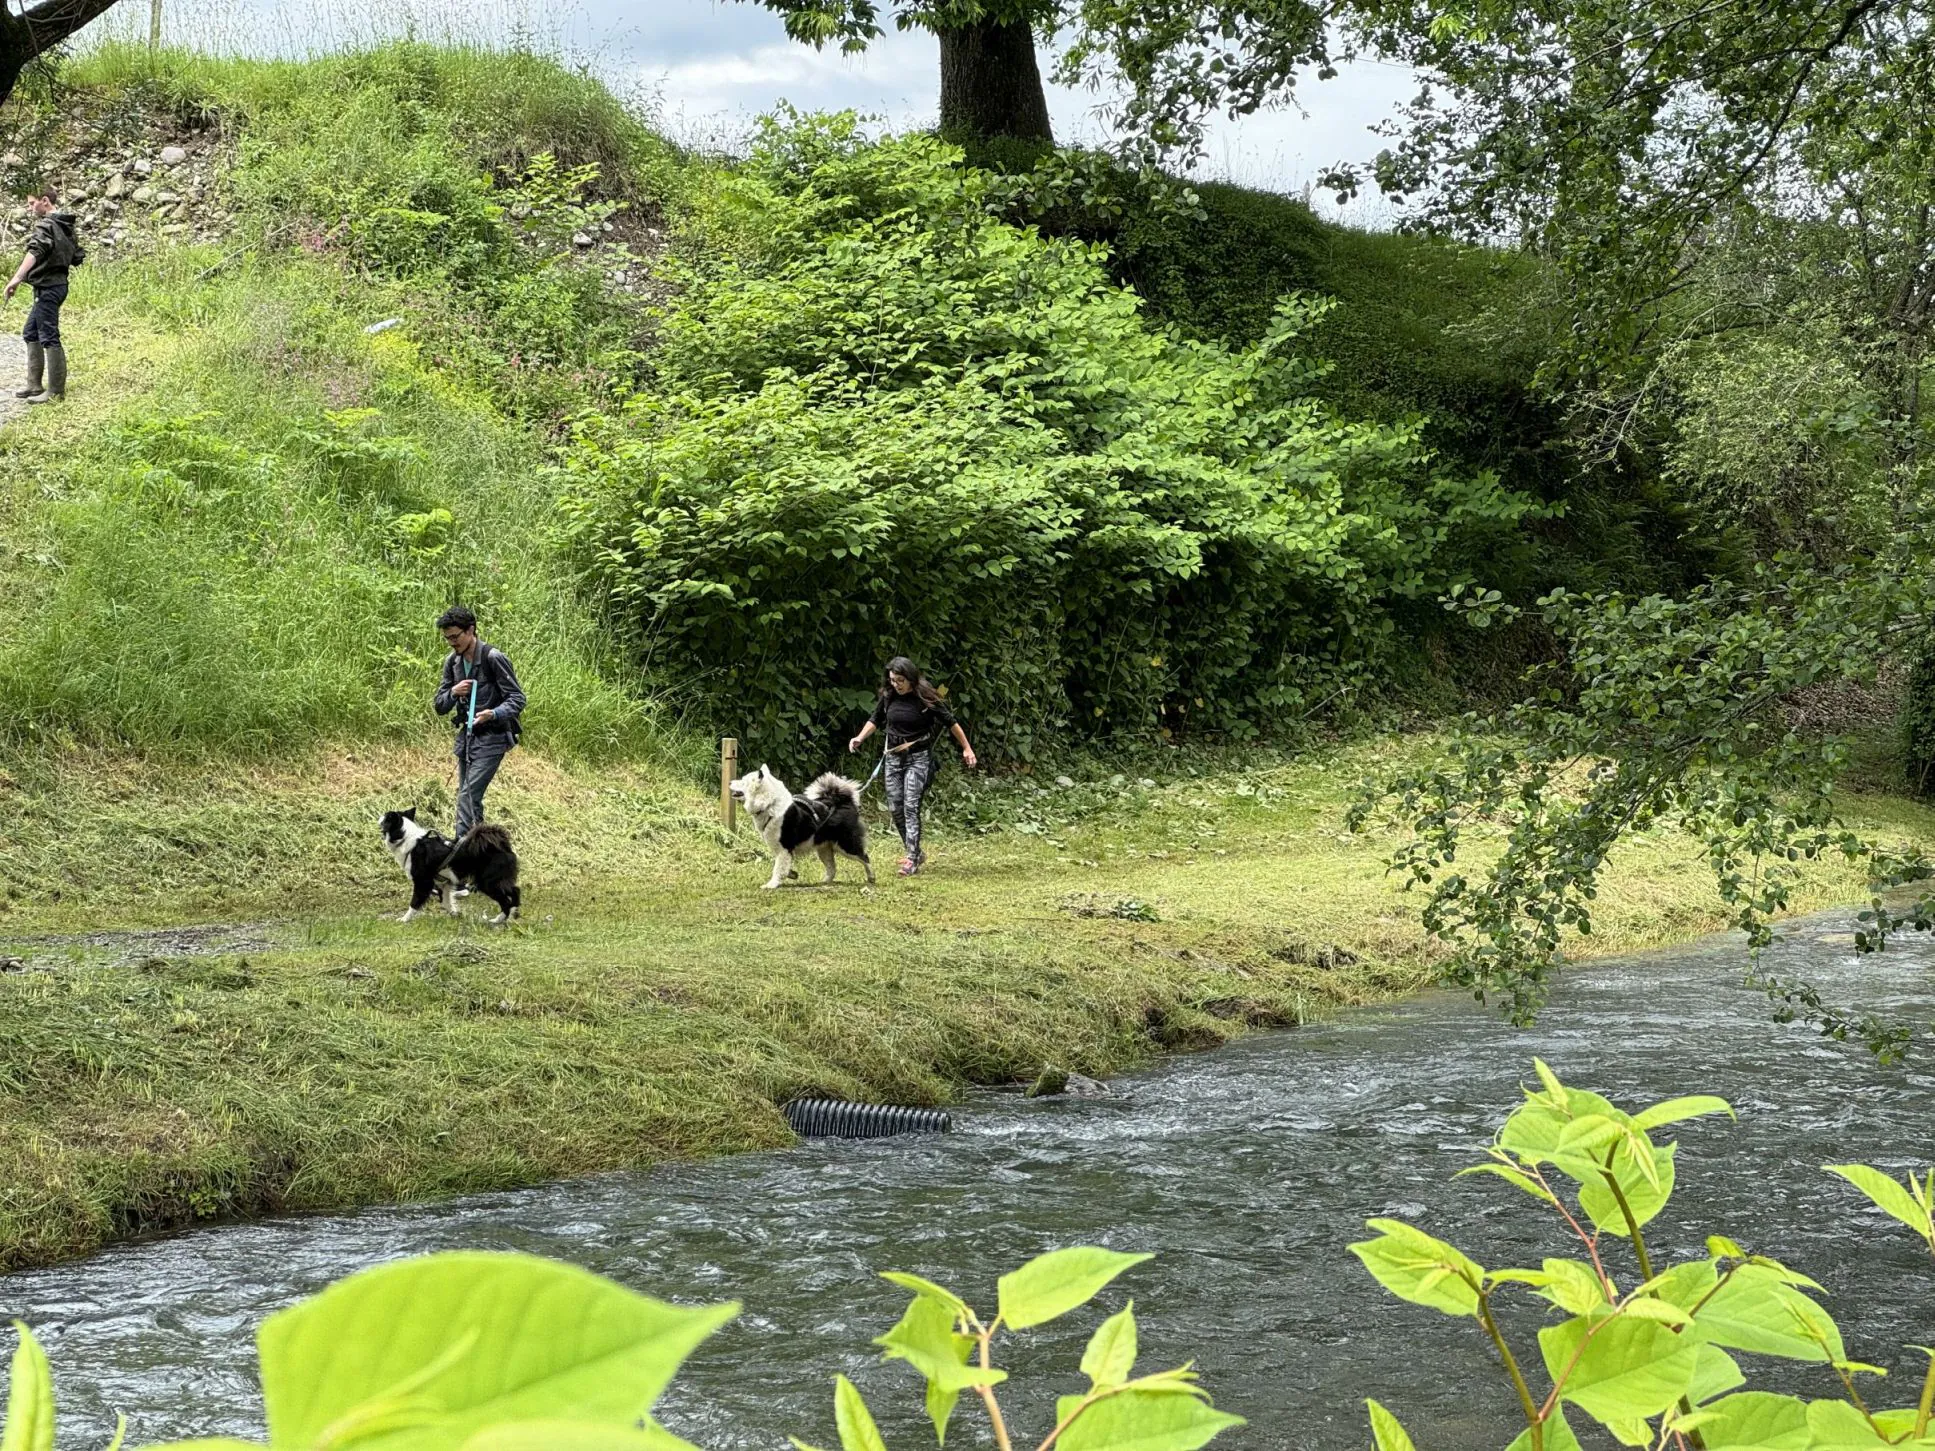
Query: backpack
[[68, 242]]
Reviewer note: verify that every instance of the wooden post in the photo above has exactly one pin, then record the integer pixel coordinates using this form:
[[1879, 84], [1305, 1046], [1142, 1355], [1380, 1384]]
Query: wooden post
[[728, 768], [154, 26]]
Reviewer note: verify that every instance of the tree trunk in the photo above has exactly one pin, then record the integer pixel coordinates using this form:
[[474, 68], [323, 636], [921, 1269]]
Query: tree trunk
[[40, 27], [990, 83]]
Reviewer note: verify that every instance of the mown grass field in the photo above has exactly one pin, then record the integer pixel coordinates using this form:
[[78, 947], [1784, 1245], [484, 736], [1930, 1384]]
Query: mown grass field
[[655, 1002]]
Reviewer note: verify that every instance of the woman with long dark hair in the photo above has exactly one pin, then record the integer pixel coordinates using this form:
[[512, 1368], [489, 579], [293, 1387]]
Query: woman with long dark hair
[[914, 716]]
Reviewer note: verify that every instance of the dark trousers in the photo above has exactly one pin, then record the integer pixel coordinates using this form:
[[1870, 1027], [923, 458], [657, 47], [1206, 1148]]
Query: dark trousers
[[43, 318], [477, 763]]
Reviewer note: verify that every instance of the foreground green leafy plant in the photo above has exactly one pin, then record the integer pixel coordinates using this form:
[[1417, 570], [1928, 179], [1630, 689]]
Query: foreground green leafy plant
[[1652, 1364], [943, 1338], [506, 1352], [449, 1352]]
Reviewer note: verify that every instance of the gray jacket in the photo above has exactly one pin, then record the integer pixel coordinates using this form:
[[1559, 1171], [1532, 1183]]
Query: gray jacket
[[496, 690]]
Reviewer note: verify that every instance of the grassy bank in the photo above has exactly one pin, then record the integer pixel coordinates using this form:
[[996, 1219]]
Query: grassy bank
[[655, 1003]]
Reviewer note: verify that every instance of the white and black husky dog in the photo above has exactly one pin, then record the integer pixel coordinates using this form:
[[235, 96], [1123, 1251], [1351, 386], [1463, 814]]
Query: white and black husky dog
[[437, 866], [826, 818]]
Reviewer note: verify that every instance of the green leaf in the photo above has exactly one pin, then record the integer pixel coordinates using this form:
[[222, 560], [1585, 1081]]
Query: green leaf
[[1514, 1176], [1677, 1110], [1059, 1281], [1889, 1197], [545, 1341], [1755, 1310], [1558, 1434], [1142, 1420], [1574, 1286], [927, 1289], [573, 1436], [1646, 1194], [1624, 1370], [925, 1338], [1415, 1267], [1110, 1357], [854, 1420], [30, 1397], [1385, 1430], [1714, 1374], [1839, 1426]]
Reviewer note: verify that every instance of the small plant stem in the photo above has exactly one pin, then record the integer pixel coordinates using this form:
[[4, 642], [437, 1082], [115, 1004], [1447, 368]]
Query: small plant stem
[[1590, 1241], [987, 1393], [1632, 1224], [1645, 1270], [1926, 1409], [1533, 1421]]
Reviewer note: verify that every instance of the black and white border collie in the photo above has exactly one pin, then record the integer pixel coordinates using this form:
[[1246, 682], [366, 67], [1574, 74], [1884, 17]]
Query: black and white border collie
[[438, 867], [826, 819]]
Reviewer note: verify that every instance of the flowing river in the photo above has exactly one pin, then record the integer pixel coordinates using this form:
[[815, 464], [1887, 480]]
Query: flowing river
[[1247, 1170]]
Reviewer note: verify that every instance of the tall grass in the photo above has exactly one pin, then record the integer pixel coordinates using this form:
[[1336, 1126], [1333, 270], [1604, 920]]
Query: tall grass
[[237, 536]]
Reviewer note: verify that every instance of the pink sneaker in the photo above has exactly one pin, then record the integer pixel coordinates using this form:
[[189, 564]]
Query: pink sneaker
[[908, 866]]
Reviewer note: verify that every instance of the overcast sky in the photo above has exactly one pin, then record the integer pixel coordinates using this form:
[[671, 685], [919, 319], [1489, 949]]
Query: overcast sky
[[711, 67]]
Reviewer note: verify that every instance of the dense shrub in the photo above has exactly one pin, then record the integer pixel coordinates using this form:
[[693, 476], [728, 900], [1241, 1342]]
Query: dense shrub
[[888, 421]]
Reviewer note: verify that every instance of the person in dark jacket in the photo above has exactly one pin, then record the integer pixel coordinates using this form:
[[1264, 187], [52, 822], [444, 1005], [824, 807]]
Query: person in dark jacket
[[914, 716], [480, 686], [52, 248]]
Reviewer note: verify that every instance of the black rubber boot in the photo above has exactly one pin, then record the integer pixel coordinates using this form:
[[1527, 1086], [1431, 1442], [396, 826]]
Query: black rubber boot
[[35, 359], [56, 376]]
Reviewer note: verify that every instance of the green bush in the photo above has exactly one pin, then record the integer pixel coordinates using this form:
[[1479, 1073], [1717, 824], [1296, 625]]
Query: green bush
[[886, 420]]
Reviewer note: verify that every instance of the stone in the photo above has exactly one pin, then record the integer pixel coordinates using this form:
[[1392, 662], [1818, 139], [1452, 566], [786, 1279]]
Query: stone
[[167, 198], [581, 239], [142, 166], [1055, 1082], [174, 229], [173, 155], [75, 198], [117, 186], [1051, 1082], [12, 158], [144, 194], [12, 964]]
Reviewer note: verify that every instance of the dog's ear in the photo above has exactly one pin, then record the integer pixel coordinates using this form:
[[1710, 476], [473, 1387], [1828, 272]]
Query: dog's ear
[[763, 772], [411, 814]]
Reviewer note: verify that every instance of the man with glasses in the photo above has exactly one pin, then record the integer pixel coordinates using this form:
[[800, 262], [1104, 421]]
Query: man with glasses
[[480, 686]]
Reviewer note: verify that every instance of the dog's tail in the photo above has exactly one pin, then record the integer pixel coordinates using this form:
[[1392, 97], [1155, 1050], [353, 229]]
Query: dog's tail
[[829, 787], [479, 842]]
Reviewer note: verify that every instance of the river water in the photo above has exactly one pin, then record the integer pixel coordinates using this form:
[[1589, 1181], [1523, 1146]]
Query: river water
[[1247, 1170]]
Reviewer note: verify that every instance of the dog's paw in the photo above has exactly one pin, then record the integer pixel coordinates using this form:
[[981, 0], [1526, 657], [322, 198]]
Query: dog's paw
[[408, 916], [770, 887]]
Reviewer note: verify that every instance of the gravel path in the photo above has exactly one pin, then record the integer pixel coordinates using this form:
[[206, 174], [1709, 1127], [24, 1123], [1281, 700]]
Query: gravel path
[[13, 373]]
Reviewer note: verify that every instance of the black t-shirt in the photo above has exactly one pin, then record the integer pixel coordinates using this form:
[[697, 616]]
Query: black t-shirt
[[909, 718]]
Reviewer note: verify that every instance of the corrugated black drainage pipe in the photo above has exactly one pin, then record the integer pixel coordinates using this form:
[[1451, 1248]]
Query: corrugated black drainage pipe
[[821, 1118]]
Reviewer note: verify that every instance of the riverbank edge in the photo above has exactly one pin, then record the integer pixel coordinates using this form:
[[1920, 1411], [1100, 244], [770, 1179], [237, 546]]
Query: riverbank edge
[[657, 1006]]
